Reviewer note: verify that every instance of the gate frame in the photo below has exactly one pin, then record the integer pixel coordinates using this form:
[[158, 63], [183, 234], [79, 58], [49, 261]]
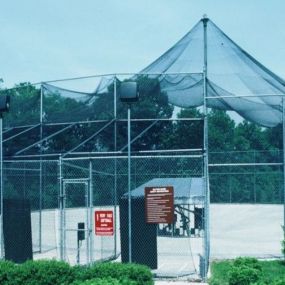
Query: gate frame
[[87, 182]]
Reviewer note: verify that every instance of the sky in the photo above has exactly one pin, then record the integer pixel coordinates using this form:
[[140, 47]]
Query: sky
[[43, 40]]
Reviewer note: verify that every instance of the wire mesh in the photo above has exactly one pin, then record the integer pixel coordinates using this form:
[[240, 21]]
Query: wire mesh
[[109, 177], [22, 180], [245, 162]]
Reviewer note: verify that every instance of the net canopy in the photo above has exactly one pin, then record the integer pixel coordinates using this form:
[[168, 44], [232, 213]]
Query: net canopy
[[80, 114], [235, 80]]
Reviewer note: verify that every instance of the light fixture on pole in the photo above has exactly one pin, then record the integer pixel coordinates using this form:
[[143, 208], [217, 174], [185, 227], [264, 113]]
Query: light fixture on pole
[[4, 107], [129, 94]]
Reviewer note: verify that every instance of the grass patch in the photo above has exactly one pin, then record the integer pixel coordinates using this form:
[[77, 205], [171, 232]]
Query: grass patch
[[269, 272]]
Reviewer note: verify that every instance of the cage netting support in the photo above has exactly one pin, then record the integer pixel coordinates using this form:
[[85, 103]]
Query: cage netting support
[[206, 168]]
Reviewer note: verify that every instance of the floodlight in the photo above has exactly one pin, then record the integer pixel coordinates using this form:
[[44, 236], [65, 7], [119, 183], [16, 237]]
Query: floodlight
[[128, 92], [4, 103]]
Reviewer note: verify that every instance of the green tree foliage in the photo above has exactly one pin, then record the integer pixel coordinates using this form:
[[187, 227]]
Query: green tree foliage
[[152, 104], [185, 134], [228, 142], [221, 131]]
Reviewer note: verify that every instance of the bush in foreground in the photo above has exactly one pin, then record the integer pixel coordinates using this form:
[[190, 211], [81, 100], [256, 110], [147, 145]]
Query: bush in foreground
[[245, 271], [51, 272], [243, 275], [36, 273], [105, 281], [138, 274]]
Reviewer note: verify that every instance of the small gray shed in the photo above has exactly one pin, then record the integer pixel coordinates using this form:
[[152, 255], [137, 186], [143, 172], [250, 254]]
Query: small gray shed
[[186, 190]]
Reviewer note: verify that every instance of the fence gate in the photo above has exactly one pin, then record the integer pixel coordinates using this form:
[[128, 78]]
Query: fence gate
[[76, 218]]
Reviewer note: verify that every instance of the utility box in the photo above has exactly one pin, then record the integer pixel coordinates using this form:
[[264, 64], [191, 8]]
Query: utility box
[[144, 236], [17, 230], [80, 231]]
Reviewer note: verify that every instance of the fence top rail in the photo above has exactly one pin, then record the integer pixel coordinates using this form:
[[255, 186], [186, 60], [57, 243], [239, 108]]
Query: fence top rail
[[246, 164], [75, 180], [138, 152], [133, 157], [115, 75], [31, 161]]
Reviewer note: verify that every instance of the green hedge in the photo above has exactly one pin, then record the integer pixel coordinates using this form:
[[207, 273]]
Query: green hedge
[[35, 273], [105, 281], [139, 274], [53, 272], [245, 271]]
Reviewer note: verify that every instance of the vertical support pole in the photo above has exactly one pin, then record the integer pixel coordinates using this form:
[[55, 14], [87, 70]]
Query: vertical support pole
[[87, 221], [115, 165], [41, 172], [283, 136], [206, 151], [1, 185], [91, 226], [254, 177], [61, 211], [129, 185]]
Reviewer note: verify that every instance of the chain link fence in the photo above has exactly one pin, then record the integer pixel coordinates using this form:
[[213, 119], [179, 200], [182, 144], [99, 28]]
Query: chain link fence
[[245, 213], [37, 182]]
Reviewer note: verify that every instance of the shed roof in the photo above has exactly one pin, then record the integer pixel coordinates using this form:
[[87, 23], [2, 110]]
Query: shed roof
[[183, 187]]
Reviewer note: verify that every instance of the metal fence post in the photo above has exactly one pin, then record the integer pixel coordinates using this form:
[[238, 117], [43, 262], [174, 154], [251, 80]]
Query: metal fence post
[[1, 185], [41, 172], [206, 150], [61, 210], [129, 185], [115, 165], [283, 136], [90, 230]]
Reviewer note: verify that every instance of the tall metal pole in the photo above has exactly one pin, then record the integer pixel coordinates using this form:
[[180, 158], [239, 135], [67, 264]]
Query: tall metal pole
[[91, 227], [206, 159], [1, 184], [87, 220], [61, 211], [283, 136], [115, 165], [41, 172], [129, 184]]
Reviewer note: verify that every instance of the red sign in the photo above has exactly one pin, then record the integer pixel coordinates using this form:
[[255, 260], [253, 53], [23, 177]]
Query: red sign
[[104, 223], [159, 205]]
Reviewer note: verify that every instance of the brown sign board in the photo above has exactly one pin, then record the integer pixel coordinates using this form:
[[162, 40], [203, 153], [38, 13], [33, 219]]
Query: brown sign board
[[159, 205]]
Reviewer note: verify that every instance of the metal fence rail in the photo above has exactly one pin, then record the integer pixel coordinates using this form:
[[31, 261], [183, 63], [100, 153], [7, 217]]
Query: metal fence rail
[[65, 192]]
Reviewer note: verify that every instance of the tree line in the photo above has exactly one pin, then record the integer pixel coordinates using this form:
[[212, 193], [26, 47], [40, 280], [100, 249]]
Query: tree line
[[229, 142]]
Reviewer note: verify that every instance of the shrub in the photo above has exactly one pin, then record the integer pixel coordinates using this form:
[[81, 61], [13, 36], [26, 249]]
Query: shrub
[[36, 272], [245, 271], [104, 281], [6, 270], [243, 275], [275, 282], [47, 272], [279, 282], [53, 272], [248, 262], [140, 274]]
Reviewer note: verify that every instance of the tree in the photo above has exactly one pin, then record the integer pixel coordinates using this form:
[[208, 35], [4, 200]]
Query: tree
[[152, 104], [250, 136], [186, 134], [221, 131]]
